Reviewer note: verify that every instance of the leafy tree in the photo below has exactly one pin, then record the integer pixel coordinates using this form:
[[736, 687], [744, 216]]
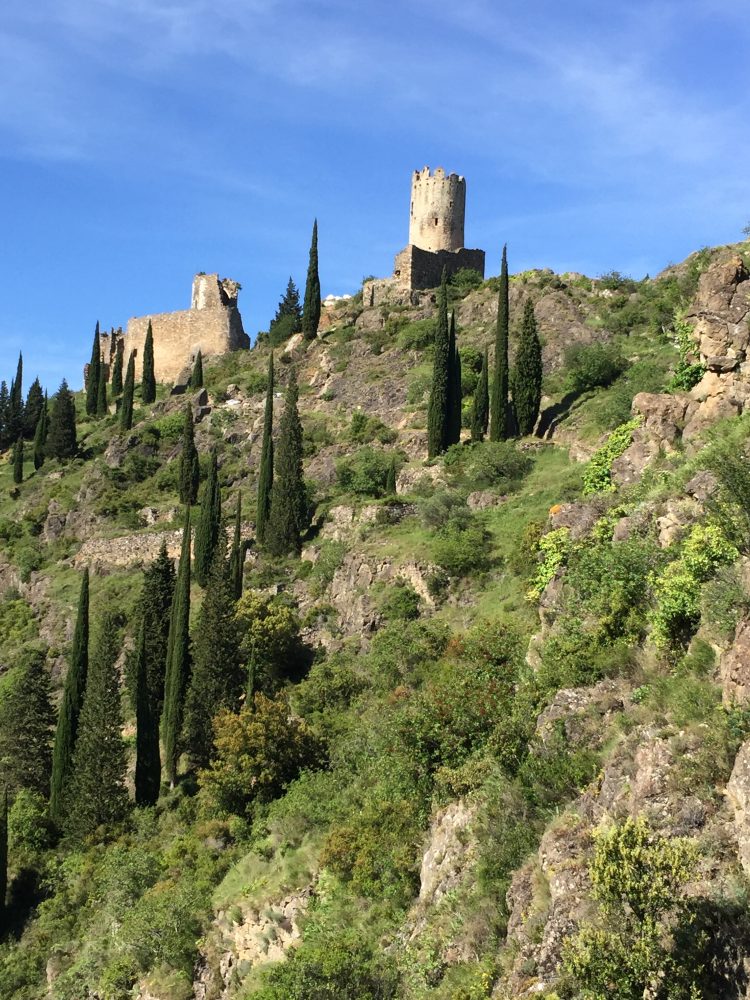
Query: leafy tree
[[126, 404], [480, 410], [237, 556], [148, 383], [196, 377], [527, 373], [288, 318], [18, 461], [40, 436], [288, 498], [437, 412], [178, 660], [92, 375], [312, 303], [102, 407], [637, 876], [61, 438], [265, 477], [33, 408], [499, 423], [270, 640], [117, 368], [390, 479], [208, 531], [259, 751], [147, 761], [98, 794], [190, 472], [70, 707], [15, 404], [26, 721], [217, 676], [454, 387]]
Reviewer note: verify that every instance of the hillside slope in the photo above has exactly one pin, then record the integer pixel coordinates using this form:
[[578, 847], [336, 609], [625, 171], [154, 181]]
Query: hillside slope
[[523, 671]]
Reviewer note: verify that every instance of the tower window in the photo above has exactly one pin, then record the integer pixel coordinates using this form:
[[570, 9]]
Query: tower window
[[435, 220]]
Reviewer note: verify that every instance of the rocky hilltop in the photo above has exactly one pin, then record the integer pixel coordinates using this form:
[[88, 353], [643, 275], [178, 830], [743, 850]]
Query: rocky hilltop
[[526, 669]]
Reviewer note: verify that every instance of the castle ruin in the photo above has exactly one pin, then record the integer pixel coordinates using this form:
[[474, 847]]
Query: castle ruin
[[436, 237], [212, 325]]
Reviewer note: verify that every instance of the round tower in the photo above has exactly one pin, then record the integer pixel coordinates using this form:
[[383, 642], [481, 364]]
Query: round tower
[[438, 204]]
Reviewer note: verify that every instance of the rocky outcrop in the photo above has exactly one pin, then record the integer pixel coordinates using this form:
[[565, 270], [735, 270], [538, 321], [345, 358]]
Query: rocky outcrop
[[738, 796], [734, 667]]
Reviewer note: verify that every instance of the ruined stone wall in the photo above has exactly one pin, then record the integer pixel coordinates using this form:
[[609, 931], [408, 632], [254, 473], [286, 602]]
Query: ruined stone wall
[[438, 206], [417, 268]]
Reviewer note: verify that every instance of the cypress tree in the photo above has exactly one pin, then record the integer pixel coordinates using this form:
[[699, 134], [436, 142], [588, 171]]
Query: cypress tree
[[33, 408], [101, 395], [196, 378], [147, 762], [208, 530], [126, 405], [287, 515], [70, 707], [500, 424], [265, 477], [117, 368], [15, 404], [98, 794], [527, 373], [217, 675], [40, 437], [26, 721], [178, 661], [92, 375], [4, 413], [190, 472], [437, 412], [455, 394], [155, 605], [3, 858], [61, 436], [18, 461], [480, 411], [236, 560], [312, 304], [148, 384], [390, 479]]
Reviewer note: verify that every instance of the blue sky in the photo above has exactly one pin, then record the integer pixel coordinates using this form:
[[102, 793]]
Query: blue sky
[[144, 140]]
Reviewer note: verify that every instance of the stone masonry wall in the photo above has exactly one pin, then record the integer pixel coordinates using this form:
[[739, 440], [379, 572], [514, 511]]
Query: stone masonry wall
[[417, 268], [436, 214]]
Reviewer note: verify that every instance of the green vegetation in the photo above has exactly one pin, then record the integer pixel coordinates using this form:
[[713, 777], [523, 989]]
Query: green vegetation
[[499, 420], [598, 476], [526, 382], [312, 303], [438, 417], [265, 476], [148, 382], [288, 509]]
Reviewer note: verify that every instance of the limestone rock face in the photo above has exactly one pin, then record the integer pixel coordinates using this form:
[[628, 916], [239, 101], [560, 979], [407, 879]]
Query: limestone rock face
[[738, 795], [734, 667]]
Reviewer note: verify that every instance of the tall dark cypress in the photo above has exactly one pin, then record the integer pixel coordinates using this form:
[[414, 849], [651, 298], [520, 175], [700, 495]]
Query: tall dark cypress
[[190, 472], [287, 517], [155, 605], [117, 368], [265, 477], [26, 726], [455, 394], [40, 436], [126, 404], [208, 533], [3, 859], [236, 559], [390, 479], [32, 409], [18, 461], [148, 383], [437, 411], [102, 406], [92, 375], [480, 411], [196, 377], [62, 440], [217, 677], [15, 404], [70, 707], [178, 661], [312, 304], [98, 794], [500, 424], [527, 373], [147, 761], [4, 414]]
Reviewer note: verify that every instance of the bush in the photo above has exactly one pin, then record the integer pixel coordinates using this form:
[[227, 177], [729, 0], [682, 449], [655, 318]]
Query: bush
[[592, 366], [464, 281], [553, 548], [282, 329], [364, 429], [258, 752], [401, 602], [417, 336], [270, 639], [598, 475], [365, 473], [463, 548]]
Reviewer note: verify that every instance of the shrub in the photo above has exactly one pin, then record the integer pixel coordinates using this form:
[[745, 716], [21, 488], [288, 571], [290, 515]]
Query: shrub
[[364, 429], [497, 463], [270, 639], [592, 366], [401, 602], [598, 475], [461, 548], [365, 473], [258, 752], [554, 548], [417, 335], [687, 373], [170, 427], [464, 280]]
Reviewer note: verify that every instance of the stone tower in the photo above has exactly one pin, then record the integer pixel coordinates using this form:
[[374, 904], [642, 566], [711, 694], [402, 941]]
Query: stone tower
[[438, 206]]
